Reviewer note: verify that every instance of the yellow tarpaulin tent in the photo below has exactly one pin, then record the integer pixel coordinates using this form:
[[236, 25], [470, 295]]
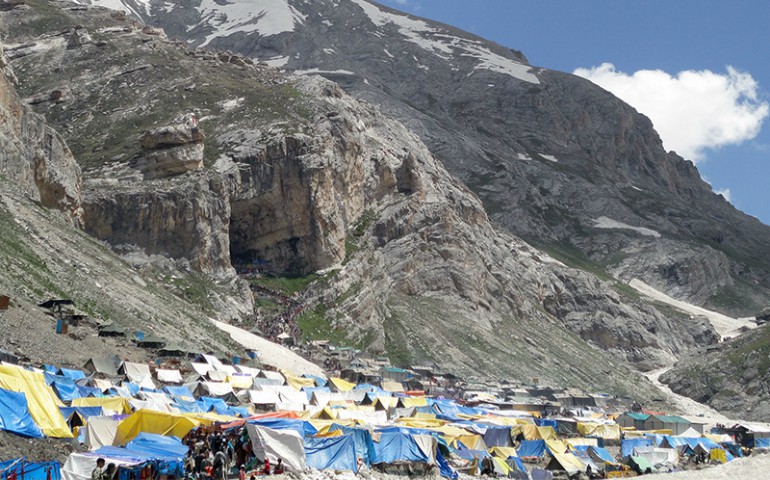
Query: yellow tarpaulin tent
[[114, 404], [154, 422], [342, 385], [414, 402], [533, 432], [298, 382], [574, 442], [568, 462], [41, 399], [556, 446], [718, 455], [609, 432], [241, 382]]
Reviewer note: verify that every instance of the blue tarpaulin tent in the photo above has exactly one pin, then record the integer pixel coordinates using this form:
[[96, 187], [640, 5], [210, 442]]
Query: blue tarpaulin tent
[[531, 448], [166, 453], [300, 426], [85, 412], [179, 392], [363, 441], [20, 468], [601, 453], [64, 387], [627, 445], [497, 436], [331, 453], [397, 445], [15, 416]]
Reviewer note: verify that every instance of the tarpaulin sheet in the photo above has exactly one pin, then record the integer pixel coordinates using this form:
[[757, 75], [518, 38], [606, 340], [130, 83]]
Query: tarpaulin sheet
[[158, 444], [89, 391], [395, 445], [22, 469], [531, 448], [164, 463], [569, 462], [762, 443], [182, 392], [73, 374], [600, 454], [154, 422], [497, 436], [362, 438], [302, 427], [444, 468], [42, 401], [118, 405], [331, 453], [101, 431], [80, 465], [169, 376], [628, 444], [15, 416], [274, 444], [85, 412]]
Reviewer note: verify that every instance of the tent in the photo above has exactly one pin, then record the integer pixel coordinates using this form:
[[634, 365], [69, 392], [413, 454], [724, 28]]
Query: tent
[[641, 465], [22, 469], [331, 453], [138, 373], [274, 444], [168, 376], [41, 400], [627, 445], [101, 431], [154, 422], [15, 416], [107, 366], [567, 462], [363, 441], [117, 405], [531, 448], [399, 445]]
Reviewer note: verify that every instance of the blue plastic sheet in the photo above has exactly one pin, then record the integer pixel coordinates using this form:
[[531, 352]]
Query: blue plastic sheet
[[15, 416], [497, 436], [216, 404], [166, 453], [546, 422], [363, 441], [64, 387], [178, 392], [84, 411], [73, 374], [153, 443], [89, 391], [331, 453], [602, 453], [531, 448], [189, 406], [444, 469], [627, 445], [300, 426], [21, 468], [397, 445]]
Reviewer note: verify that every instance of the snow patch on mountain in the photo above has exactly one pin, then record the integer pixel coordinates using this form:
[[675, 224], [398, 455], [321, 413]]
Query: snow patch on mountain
[[604, 222], [265, 17], [447, 46]]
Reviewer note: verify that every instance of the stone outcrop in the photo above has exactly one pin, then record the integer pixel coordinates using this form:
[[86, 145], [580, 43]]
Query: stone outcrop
[[171, 150]]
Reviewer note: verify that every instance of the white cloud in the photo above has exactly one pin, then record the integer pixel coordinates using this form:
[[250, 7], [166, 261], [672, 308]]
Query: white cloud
[[693, 110]]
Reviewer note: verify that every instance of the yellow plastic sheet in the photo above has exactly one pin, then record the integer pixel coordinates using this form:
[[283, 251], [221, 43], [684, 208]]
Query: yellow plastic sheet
[[41, 399], [342, 385], [115, 404], [150, 421]]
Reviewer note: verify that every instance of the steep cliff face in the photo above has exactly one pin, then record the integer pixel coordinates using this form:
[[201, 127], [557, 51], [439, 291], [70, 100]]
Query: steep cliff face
[[555, 159], [34, 156]]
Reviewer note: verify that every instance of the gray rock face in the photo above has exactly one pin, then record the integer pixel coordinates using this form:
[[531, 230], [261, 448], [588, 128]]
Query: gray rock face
[[34, 157], [548, 153], [170, 150]]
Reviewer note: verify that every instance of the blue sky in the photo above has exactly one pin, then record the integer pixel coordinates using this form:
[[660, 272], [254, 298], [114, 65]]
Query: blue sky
[[701, 68]]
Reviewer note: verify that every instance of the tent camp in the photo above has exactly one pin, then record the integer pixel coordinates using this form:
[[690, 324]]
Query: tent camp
[[42, 402]]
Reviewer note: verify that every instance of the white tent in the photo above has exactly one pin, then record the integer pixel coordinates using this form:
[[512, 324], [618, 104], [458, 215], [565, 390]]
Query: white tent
[[101, 431], [139, 373], [169, 376], [275, 444], [258, 397], [689, 433], [201, 368], [80, 465]]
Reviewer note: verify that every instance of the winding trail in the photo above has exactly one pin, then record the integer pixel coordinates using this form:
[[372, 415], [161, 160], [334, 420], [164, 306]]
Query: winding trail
[[690, 407]]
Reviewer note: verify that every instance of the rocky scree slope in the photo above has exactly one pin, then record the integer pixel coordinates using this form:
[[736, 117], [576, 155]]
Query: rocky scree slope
[[555, 159], [300, 176]]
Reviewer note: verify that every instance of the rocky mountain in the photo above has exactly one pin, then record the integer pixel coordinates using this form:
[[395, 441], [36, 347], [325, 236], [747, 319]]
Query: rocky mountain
[[555, 159], [192, 160]]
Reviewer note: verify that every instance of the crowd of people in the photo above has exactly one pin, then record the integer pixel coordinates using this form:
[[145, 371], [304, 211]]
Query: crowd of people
[[215, 455]]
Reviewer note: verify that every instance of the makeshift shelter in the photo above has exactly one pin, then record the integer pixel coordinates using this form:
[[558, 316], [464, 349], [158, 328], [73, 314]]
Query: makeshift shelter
[[149, 421], [640, 465], [101, 431], [138, 373], [627, 445], [24, 470], [42, 402], [632, 420], [286, 444], [399, 445], [118, 405], [531, 448], [331, 453], [15, 416], [111, 330], [566, 462], [168, 376]]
